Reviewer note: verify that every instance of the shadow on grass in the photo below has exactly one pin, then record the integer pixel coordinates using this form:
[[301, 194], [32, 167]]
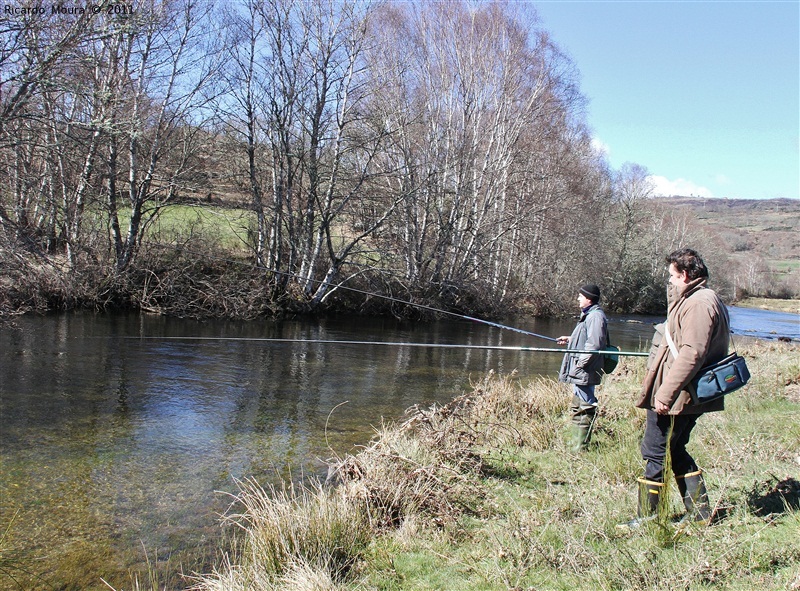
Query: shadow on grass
[[774, 496]]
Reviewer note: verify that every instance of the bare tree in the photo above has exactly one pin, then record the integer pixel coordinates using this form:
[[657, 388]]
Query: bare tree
[[295, 99], [245, 110], [483, 115], [124, 82], [638, 233], [32, 56], [167, 59], [439, 148]]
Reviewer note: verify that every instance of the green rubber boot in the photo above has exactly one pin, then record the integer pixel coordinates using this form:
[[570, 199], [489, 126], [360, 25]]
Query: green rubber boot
[[647, 506], [695, 498], [583, 415]]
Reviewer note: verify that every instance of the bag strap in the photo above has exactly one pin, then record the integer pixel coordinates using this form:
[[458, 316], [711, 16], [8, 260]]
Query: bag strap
[[672, 348]]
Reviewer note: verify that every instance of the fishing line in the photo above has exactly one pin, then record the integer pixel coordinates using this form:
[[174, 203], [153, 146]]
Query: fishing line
[[397, 344], [377, 295]]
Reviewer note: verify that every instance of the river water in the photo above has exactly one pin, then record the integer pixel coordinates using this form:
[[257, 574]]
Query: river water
[[122, 436]]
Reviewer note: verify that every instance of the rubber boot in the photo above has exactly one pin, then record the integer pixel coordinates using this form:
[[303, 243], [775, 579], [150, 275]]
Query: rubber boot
[[695, 498], [647, 506], [583, 417]]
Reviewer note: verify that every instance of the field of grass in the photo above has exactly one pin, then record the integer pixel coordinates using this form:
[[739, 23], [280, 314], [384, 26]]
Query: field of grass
[[483, 494], [227, 226]]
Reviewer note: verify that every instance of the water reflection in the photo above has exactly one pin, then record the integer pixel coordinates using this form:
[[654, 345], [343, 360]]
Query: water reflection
[[112, 442], [117, 433]]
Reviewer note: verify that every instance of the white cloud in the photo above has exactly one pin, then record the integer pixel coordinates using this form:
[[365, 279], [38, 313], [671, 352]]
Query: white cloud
[[601, 147], [663, 187]]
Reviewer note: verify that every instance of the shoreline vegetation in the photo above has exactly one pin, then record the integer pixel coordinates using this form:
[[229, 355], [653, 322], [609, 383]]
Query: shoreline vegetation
[[483, 494]]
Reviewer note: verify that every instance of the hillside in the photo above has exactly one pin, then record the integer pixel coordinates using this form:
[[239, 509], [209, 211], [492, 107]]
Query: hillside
[[762, 234]]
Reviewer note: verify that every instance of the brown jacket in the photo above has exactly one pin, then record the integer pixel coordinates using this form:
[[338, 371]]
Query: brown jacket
[[700, 328]]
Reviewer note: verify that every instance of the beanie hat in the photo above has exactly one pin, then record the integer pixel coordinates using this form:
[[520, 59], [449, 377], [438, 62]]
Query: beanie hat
[[591, 292]]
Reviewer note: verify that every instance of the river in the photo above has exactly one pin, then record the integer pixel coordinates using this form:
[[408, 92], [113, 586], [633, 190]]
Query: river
[[122, 436]]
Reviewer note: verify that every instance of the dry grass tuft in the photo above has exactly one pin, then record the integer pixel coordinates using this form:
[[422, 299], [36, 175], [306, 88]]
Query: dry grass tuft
[[432, 463], [297, 537], [426, 466]]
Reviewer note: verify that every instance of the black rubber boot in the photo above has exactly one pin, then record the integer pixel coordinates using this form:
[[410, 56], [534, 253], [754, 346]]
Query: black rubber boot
[[647, 507], [695, 498], [583, 415]]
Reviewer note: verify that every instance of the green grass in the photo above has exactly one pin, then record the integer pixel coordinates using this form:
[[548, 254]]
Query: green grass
[[229, 227], [784, 266], [483, 495]]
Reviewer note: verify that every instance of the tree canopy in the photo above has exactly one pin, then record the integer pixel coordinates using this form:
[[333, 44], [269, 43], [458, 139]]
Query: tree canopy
[[434, 151]]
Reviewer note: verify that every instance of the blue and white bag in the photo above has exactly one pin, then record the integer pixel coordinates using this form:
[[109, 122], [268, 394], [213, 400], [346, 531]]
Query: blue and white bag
[[715, 380]]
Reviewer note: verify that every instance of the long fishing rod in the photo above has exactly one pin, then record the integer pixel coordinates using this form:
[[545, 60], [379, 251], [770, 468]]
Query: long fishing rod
[[421, 306], [398, 301], [393, 299], [398, 344]]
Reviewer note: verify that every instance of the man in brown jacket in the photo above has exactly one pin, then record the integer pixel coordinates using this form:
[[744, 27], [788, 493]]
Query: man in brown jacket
[[698, 324]]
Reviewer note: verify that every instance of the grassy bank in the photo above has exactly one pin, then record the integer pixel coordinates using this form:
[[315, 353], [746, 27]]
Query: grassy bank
[[483, 494], [792, 306]]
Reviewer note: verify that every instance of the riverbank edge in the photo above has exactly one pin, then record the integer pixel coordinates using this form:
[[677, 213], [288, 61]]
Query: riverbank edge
[[483, 494], [772, 305], [219, 285]]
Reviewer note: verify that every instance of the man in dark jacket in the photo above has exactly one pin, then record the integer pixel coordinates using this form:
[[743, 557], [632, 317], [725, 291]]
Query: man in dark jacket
[[584, 370], [699, 327]]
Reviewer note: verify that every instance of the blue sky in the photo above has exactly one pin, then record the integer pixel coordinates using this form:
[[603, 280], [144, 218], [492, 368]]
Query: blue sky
[[705, 95]]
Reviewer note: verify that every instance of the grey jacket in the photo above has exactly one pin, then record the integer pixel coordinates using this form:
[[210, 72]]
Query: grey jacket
[[591, 333]]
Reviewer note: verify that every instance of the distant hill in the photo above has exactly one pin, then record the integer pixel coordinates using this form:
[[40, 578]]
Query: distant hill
[[767, 228]]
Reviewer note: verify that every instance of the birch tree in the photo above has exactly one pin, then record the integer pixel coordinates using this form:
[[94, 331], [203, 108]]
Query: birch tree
[[38, 58], [478, 104], [295, 100], [167, 62]]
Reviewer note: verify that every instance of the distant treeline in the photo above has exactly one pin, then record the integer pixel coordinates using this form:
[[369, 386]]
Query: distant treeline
[[432, 151]]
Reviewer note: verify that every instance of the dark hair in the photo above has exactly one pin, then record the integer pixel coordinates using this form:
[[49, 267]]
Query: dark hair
[[688, 260]]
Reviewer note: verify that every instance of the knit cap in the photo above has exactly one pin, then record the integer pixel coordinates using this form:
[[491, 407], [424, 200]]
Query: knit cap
[[591, 292]]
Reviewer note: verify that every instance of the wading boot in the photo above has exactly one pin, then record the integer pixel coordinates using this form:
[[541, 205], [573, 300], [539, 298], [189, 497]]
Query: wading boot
[[583, 417], [647, 507], [695, 498]]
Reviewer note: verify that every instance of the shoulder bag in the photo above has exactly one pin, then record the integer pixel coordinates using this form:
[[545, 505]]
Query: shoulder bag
[[715, 380], [610, 360]]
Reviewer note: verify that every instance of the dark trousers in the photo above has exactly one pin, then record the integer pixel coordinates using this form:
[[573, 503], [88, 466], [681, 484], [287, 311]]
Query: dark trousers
[[654, 444]]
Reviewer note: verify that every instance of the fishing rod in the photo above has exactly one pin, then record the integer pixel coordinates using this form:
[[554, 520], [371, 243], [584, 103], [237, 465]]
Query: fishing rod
[[400, 344], [391, 299], [421, 306]]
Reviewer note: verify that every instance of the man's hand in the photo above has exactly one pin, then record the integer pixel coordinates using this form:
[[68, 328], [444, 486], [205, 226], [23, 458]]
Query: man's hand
[[661, 408], [562, 340]]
